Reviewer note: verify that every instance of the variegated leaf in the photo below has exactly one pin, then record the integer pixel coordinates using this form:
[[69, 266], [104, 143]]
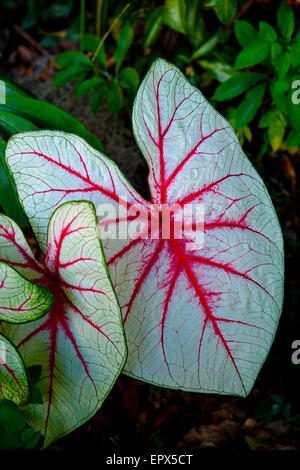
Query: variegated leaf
[[202, 319], [21, 301], [79, 343]]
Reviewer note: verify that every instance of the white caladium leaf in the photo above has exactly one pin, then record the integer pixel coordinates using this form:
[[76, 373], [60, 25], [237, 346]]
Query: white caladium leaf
[[13, 380], [80, 342], [21, 301], [198, 315]]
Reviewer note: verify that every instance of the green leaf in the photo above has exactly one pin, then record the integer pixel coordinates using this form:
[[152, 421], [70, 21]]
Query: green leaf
[[12, 123], [9, 441], [88, 86], [276, 123], [276, 131], [219, 70], [72, 58], [174, 15], [284, 64], [30, 438], [254, 53], [267, 118], [207, 46], [250, 105], [295, 55], [276, 51], [123, 44], [11, 418], [58, 9], [67, 75], [244, 32], [9, 200], [114, 97], [153, 27], [33, 374], [50, 41], [90, 43], [266, 32], [11, 88], [36, 396], [293, 139], [129, 78], [285, 20], [225, 10], [194, 22], [48, 115], [236, 85], [280, 86], [278, 90], [97, 98]]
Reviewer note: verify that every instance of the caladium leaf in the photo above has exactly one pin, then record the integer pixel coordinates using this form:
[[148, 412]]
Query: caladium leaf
[[20, 301], [79, 343], [13, 381], [200, 319]]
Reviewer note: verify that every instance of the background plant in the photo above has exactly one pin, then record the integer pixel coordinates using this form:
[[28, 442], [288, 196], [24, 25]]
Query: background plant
[[272, 61]]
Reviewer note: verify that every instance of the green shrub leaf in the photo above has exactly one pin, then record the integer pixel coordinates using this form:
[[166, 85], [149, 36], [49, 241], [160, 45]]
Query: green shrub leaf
[[236, 85], [245, 32], [250, 105], [253, 53], [285, 20]]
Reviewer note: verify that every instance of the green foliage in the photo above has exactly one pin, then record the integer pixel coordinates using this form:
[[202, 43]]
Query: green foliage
[[237, 84], [92, 76], [245, 32], [14, 431], [225, 10], [271, 56], [273, 408], [252, 54], [124, 41]]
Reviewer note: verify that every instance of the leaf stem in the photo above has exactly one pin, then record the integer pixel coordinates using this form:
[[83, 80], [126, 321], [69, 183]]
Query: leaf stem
[[98, 18], [82, 22], [109, 30]]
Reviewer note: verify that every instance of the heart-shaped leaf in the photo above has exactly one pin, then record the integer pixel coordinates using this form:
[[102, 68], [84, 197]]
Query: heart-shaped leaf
[[79, 343], [202, 319]]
